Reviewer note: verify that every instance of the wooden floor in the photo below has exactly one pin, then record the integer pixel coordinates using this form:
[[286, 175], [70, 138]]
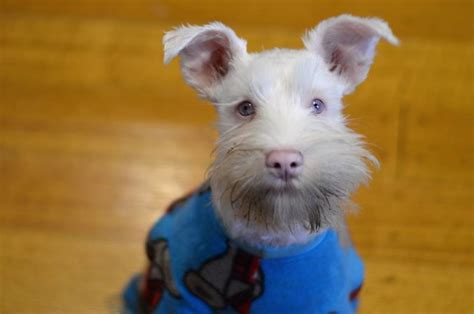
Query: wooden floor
[[97, 137]]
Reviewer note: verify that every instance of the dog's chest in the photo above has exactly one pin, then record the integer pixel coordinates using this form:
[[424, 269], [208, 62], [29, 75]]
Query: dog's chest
[[194, 268]]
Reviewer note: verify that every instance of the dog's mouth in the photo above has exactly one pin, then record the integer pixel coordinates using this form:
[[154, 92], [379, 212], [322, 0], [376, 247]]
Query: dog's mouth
[[282, 184]]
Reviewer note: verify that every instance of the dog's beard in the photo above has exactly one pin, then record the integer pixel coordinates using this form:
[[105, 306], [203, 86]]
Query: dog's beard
[[255, 209], [282, 208]]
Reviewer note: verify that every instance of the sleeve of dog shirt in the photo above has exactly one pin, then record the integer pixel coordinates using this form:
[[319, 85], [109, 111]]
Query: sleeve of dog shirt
[[356, 271], [145, 291], [173, 249]]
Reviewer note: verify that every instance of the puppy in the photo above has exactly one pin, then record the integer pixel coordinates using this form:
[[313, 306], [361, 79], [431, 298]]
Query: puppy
[[266, 233]]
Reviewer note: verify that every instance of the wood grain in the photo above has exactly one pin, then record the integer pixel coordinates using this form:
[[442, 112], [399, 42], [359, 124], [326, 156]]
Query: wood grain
[[97, 137]]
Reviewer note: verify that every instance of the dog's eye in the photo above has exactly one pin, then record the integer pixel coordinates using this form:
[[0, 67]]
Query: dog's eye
[[246, 108], [318, 106]]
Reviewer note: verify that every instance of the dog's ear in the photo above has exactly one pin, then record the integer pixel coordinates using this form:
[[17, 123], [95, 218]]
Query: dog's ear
[[206, 53], [347, 45]]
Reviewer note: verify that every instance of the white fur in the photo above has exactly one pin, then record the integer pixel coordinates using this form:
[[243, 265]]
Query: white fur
[[281, 83]]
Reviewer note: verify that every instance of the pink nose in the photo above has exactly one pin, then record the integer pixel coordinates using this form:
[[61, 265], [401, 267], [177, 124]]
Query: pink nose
[[285, 163]]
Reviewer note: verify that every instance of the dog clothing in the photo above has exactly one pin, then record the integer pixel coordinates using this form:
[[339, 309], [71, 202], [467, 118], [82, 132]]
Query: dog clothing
[[195, 268]]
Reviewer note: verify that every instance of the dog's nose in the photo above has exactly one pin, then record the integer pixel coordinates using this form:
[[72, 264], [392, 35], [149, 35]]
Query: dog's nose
[[285, 163]]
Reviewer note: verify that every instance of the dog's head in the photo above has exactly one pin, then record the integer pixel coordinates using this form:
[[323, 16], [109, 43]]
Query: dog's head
[[285, 159]]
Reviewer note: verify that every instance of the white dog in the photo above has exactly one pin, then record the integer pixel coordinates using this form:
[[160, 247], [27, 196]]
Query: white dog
[[265, 237]]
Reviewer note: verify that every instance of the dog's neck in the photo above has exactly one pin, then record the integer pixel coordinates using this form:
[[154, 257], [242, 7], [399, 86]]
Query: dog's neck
[[270, 251], [258, 235]]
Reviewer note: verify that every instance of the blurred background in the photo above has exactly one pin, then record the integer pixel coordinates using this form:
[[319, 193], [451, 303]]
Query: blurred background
[[97, 137]]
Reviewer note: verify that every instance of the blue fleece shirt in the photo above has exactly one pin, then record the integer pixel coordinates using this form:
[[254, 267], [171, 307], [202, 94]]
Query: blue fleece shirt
[[194, 268]]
